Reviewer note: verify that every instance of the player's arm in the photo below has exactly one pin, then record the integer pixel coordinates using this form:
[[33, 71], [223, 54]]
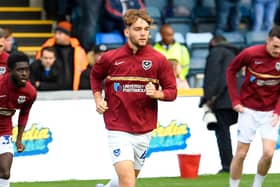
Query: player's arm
[[101, 104], [239, 62], [167, 82], [19, 144], [23, 118], [152, 92]]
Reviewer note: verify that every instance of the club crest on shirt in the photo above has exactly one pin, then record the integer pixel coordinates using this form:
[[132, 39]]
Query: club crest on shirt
[[146, 64], [277, 66], [21, 99]]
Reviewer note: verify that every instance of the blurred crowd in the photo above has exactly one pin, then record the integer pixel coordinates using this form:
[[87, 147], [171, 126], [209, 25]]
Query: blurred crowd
[[65, 60]]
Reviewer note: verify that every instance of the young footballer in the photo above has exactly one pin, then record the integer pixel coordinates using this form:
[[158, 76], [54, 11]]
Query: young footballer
[[16, 93], [132, 75]]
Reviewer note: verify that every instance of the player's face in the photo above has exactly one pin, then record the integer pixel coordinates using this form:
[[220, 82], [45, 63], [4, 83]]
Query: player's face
[[2, 45], [20, 73], [138, 33], [273, 46]]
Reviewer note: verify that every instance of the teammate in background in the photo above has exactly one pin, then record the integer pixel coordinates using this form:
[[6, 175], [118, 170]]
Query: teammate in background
[[132, 75], [10, 41], [16, 93], [258, 103], [3, 54]]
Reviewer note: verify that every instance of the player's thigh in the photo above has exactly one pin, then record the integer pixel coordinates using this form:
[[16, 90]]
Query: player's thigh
[[267, 131], [6, 152], [125, 169], [120, 146], [246, 126], [141, 146]]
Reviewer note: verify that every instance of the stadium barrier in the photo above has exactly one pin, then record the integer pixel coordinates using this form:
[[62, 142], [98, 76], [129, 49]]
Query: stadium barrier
[[66, 139]]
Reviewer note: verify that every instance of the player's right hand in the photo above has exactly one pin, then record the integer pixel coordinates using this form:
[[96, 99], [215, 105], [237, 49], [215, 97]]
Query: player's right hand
[[101, 106], [238, 108]]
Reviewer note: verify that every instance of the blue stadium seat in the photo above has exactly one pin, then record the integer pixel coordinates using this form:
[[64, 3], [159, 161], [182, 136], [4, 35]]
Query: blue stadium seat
[[181, 27], [112, 39], [235, 38], [197, 40], [155, 13], [161, 4], [196, 72], [253, 37]]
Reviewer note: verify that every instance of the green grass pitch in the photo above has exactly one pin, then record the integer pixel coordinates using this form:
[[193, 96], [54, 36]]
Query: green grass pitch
[[220, 180]]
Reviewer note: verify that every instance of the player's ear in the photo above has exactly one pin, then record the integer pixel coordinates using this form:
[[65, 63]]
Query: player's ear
[[126, 31]]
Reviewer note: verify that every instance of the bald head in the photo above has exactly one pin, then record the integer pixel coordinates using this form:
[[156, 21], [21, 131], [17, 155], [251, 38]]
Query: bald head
[[167, 34]]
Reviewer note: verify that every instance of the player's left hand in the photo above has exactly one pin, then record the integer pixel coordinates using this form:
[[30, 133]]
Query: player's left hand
[[275, 119], [150, 89], [20, 146]]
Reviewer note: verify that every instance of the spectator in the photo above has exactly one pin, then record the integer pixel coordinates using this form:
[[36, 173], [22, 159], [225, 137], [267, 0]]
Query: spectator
[[71, 58], [263, 14], [58, 10], [228, 16], [43, 73], [87, 25], [93, 56], [10, 42], [114, 9], [3, 54], [172, 49], [177, 69], [216, 95]]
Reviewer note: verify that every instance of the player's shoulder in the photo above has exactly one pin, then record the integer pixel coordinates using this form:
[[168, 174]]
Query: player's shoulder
[[30, 90]]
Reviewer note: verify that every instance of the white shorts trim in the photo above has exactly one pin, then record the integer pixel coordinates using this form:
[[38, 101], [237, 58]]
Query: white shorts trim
[[6, 144], [251, 120], [127, 146]]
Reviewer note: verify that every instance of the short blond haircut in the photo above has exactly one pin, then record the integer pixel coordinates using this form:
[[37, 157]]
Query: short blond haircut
[[131, 16]]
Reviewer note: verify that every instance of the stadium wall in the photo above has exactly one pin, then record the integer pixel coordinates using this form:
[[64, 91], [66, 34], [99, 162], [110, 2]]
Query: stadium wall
[[66, 139]]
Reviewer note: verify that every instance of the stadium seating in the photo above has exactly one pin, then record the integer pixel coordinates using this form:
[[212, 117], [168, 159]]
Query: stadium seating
[[205, 16], [253, 37], [155, 13], [112, 40], [235, 38], [196, 72], [197, 40]]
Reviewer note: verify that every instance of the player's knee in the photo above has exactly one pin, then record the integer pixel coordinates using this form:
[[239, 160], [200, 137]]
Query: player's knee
[[241, 155], [267, 155], [127, 181]]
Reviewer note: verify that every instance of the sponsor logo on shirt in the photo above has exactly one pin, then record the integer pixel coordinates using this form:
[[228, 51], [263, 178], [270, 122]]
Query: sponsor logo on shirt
[[147, 64], [129, 87], [21, 99]]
